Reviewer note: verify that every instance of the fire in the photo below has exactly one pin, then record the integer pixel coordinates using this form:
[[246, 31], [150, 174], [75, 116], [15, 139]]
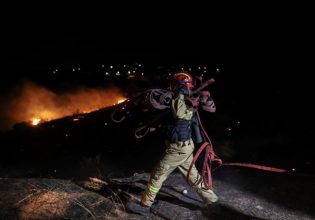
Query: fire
[[35, 121], [121, 101], [37, 104]]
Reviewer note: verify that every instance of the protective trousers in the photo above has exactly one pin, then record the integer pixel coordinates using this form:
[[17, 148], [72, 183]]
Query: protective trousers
[[177, 155]]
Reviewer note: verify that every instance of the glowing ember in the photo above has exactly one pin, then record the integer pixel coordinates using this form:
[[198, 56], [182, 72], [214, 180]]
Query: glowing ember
[[35, 121]]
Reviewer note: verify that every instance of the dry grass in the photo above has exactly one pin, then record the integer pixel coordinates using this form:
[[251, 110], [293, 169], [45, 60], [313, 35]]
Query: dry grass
[[43, 202], [94, 183], [48, 204], [60, 201], [98, 184]]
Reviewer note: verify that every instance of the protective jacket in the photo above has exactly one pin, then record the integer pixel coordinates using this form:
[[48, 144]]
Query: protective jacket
[[182, 125], [177, 155]]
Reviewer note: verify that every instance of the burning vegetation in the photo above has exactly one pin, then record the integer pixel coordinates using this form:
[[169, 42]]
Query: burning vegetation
[[35, 104], [35, 121]]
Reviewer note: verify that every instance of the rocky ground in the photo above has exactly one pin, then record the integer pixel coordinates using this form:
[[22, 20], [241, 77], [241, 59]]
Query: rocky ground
[[243, 195], [85, 170]]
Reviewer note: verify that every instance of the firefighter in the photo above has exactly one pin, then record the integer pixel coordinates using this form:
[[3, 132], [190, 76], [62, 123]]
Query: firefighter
[[179, 150]]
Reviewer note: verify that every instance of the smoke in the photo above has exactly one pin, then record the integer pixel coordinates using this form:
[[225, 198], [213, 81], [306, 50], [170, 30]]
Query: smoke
[[31, 100]]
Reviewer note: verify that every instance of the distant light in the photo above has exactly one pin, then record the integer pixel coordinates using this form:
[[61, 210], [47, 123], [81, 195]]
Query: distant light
[[73, 70], [79, 69], [111, 67], [75, 119], [124, 65], [56, 70], [66, 135], [218, 70], [199, 68], [238, 122], [204, 71], [105, 124], [103, 66], [205, 67], [142, 74], [189, 69], [106, 73], [293, 169], [118, 73], [139, 64], [129, 72], [228, 129], [134, 71], [169, 74]]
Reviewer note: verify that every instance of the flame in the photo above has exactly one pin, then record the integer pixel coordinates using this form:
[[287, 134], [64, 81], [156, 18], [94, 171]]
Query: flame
[[35, 121], [121, 101], [31, 101]]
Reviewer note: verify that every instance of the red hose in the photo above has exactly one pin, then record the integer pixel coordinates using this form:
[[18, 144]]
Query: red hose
[[211, 157]]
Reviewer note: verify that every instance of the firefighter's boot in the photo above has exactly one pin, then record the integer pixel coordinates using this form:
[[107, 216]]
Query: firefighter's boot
[[137, 208]]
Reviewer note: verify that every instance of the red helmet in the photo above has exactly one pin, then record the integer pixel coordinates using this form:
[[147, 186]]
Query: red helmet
[[183, 79]]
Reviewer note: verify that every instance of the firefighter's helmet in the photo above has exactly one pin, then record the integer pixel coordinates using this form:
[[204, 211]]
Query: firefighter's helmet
[[183, 79]]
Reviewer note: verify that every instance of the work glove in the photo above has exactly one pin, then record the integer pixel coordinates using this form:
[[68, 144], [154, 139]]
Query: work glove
[[209, 106], [207, 102]]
